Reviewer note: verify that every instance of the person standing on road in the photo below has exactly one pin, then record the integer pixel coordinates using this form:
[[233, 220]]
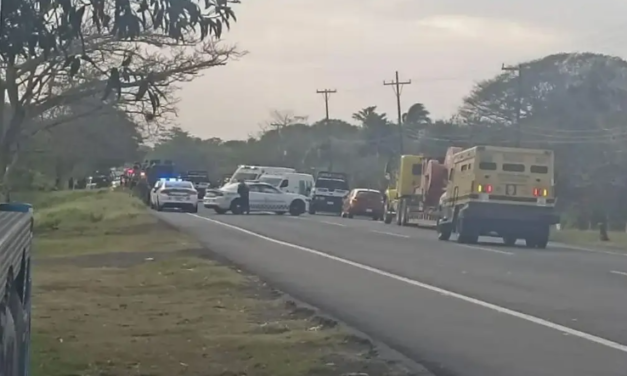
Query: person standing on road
[[243, 191]]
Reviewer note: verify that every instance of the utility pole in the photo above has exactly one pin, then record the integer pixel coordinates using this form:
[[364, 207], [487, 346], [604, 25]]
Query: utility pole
[[326, 93], [519, 94], [397, 85]]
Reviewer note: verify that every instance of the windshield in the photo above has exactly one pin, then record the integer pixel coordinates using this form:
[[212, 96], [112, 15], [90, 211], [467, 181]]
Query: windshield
[[179, 184], [272, 181], [332, 184], [369, 195], [231, 187], [244, 176]]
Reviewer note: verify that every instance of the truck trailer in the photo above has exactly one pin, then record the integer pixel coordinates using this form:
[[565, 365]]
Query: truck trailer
[[16, 234]]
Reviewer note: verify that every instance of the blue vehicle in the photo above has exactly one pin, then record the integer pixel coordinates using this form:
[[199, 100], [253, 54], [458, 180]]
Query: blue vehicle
[[16, 234]]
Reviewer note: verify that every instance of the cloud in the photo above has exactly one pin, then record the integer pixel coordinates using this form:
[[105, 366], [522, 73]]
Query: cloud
[[298, 46]]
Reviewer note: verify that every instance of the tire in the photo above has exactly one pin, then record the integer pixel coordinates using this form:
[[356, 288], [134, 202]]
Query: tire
[[399, 208], [219, 211], [236, 207], [466, 236], [297, 207], [509, 241], [9, 341], [444, 231], [20, 319]]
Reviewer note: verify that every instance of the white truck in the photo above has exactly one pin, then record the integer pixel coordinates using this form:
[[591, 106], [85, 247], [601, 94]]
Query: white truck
[[250, 173], [16, 234]]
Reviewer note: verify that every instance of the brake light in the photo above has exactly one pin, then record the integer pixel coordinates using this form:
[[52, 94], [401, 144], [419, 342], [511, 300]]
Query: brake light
[[540, 192], [484, 188]]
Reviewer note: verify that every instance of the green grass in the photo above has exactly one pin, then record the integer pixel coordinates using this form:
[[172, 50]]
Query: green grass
[[618, 240], [83, 222], [167, 314]]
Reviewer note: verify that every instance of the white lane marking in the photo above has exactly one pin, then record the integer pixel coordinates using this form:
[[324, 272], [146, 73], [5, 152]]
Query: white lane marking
[[467, 299], [619, 273], [567, 246], [332, 223], [485, 249], [391, 234]]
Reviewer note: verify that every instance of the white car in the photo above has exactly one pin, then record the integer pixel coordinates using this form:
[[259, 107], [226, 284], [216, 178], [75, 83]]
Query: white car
[[174, 193], [262, 197]]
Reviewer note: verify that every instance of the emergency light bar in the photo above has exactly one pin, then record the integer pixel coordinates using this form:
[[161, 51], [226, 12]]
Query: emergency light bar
[[169, 179]]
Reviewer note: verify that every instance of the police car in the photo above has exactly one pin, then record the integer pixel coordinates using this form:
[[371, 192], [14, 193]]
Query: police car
[[174, 193], [263, 197]]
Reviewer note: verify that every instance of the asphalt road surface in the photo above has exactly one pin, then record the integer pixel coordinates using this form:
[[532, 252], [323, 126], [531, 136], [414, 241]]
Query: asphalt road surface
[[484, 310]]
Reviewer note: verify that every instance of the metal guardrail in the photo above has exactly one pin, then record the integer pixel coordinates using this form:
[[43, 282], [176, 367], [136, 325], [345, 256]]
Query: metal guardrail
[[16, 234]]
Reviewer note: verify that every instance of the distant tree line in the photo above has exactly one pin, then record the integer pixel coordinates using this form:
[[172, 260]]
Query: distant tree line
[[574, 104]]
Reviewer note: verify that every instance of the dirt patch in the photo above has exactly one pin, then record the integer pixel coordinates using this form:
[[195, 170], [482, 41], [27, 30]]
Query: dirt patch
[[178, 316]]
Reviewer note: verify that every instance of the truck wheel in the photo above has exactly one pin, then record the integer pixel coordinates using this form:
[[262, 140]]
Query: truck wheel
[[399, 213], [444, 231], [466, 235], [509, 241], [387, 218]]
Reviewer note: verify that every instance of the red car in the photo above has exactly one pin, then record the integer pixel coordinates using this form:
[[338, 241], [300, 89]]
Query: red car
[[362, 201]]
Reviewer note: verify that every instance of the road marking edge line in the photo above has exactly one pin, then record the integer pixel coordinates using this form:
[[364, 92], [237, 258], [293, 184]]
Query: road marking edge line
[[481, 303]]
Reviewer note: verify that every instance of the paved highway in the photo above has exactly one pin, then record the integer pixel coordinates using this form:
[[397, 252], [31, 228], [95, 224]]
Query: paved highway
[[457, 309]]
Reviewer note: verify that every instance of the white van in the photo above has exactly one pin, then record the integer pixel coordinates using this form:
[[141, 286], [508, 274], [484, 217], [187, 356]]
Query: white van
[[245, 172], [291, 182]]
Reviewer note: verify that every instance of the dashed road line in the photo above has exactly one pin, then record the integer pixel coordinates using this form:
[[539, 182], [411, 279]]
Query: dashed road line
[[619, 273], [486, 249], [391, 234], [493, 307]]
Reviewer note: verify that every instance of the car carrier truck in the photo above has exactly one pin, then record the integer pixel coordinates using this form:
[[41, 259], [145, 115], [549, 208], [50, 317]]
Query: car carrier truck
[[415, 194], [16, 233]]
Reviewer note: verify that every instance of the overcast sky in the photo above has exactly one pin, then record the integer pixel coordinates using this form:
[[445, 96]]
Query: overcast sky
[[443, 46]]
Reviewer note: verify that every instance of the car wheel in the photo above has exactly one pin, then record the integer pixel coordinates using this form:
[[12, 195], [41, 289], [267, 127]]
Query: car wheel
[[219, 211], [236, 207], [297, 207]]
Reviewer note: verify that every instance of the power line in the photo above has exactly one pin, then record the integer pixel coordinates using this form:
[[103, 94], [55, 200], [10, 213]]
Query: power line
[[519, 94], [397, 85], [326, 93]]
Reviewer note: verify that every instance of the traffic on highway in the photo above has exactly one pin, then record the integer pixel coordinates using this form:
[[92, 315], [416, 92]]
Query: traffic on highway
[[476, 306]]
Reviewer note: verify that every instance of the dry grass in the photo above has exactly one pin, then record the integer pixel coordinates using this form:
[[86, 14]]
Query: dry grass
[[167, 313]]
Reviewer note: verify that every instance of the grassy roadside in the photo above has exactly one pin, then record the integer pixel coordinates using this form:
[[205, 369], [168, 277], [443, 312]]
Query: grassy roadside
[[590, 238], [117, 292]]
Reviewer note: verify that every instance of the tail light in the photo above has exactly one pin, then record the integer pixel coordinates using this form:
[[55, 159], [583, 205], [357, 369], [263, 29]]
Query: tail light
[[487, 188], [540, 192]]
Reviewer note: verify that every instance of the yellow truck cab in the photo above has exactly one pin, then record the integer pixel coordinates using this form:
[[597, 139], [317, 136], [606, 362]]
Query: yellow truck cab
[[403, 195], [501, 192]]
